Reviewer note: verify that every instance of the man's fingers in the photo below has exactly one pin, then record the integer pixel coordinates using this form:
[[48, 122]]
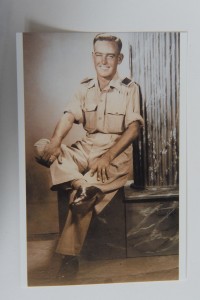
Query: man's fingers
[[46, 156], [99, 175], [92, 172], [60, 155], [60, 159], [103, 175], [52, 158], [106, 174]]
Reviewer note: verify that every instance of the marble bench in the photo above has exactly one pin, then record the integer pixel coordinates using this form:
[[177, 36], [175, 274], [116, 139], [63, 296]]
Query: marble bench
[[135, 223], [152, 221]]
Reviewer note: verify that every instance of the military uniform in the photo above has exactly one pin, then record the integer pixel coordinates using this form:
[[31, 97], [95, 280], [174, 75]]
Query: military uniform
[[105, 115]]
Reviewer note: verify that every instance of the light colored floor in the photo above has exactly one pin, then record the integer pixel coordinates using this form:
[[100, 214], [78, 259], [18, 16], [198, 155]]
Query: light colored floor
[[155, 268]]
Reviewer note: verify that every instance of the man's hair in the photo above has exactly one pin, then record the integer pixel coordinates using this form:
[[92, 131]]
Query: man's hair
[[108, 37]]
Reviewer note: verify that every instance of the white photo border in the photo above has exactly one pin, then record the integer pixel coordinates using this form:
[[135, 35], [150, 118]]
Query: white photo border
[[153, 15]]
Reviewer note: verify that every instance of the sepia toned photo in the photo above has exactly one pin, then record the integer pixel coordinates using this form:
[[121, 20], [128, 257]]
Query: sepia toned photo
[[101, 118]]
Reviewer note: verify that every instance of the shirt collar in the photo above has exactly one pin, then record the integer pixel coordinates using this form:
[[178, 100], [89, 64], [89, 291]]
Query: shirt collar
[[114, 83], [92, 83]]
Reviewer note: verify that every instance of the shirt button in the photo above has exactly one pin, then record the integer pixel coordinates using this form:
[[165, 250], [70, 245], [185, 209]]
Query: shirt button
[[100, 118]]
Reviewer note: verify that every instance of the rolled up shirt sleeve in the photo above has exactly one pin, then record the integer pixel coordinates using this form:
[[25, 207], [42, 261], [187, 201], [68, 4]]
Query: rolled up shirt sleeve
[[133, 106], [75, 106]]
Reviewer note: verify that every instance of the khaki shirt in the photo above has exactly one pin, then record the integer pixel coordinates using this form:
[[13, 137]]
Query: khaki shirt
[[108, 111]]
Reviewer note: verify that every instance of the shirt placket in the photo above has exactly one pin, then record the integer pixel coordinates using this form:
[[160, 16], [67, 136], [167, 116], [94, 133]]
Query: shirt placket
[[101, 111]]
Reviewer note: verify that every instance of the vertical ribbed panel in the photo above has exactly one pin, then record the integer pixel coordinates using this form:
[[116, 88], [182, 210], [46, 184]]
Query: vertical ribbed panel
[[154, 65]]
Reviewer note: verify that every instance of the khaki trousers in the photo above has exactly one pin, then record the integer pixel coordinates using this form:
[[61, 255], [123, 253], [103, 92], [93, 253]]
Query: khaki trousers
[[76, 165]]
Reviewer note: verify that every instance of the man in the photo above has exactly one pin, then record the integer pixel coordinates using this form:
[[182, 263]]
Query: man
[[98, 165]]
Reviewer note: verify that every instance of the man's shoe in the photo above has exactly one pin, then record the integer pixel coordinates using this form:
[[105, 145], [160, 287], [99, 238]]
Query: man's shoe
[[85, 199], [69, 267]]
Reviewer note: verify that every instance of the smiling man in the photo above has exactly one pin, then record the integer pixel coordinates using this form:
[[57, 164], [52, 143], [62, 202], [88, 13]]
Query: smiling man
[[106, 57], [98, 165]]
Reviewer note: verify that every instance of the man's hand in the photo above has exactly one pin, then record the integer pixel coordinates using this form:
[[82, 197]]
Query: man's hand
[[101, 166], [52, 151]]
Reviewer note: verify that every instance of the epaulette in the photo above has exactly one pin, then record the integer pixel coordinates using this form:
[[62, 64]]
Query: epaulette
[[126, 81], [86, 80]]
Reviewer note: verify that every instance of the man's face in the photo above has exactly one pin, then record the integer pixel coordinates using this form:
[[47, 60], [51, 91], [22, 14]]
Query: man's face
[[106, 58]]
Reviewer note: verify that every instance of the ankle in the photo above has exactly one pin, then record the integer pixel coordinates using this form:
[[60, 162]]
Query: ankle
[[79, 183]]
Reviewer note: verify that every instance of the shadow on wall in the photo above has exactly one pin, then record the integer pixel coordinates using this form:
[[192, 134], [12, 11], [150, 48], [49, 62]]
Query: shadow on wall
[[48, 86]]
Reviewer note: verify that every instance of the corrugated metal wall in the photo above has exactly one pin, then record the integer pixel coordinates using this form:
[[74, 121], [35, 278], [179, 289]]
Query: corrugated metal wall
[[154, 65]]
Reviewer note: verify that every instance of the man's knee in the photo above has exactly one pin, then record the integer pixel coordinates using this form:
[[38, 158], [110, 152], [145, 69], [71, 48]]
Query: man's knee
[[39, 147]]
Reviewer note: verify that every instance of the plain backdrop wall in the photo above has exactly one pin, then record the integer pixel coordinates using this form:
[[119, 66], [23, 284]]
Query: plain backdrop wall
[[54, 65]]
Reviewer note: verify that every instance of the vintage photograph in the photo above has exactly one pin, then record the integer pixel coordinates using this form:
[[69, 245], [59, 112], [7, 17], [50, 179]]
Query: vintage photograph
[[102, 120]]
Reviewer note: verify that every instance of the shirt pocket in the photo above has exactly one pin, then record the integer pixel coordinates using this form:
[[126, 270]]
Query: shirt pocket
[[115, 117], [90, 116]]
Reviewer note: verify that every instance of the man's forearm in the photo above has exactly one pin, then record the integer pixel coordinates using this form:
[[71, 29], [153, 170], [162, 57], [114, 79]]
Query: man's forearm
[[62, 128], [124, 141], [53, 150]]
